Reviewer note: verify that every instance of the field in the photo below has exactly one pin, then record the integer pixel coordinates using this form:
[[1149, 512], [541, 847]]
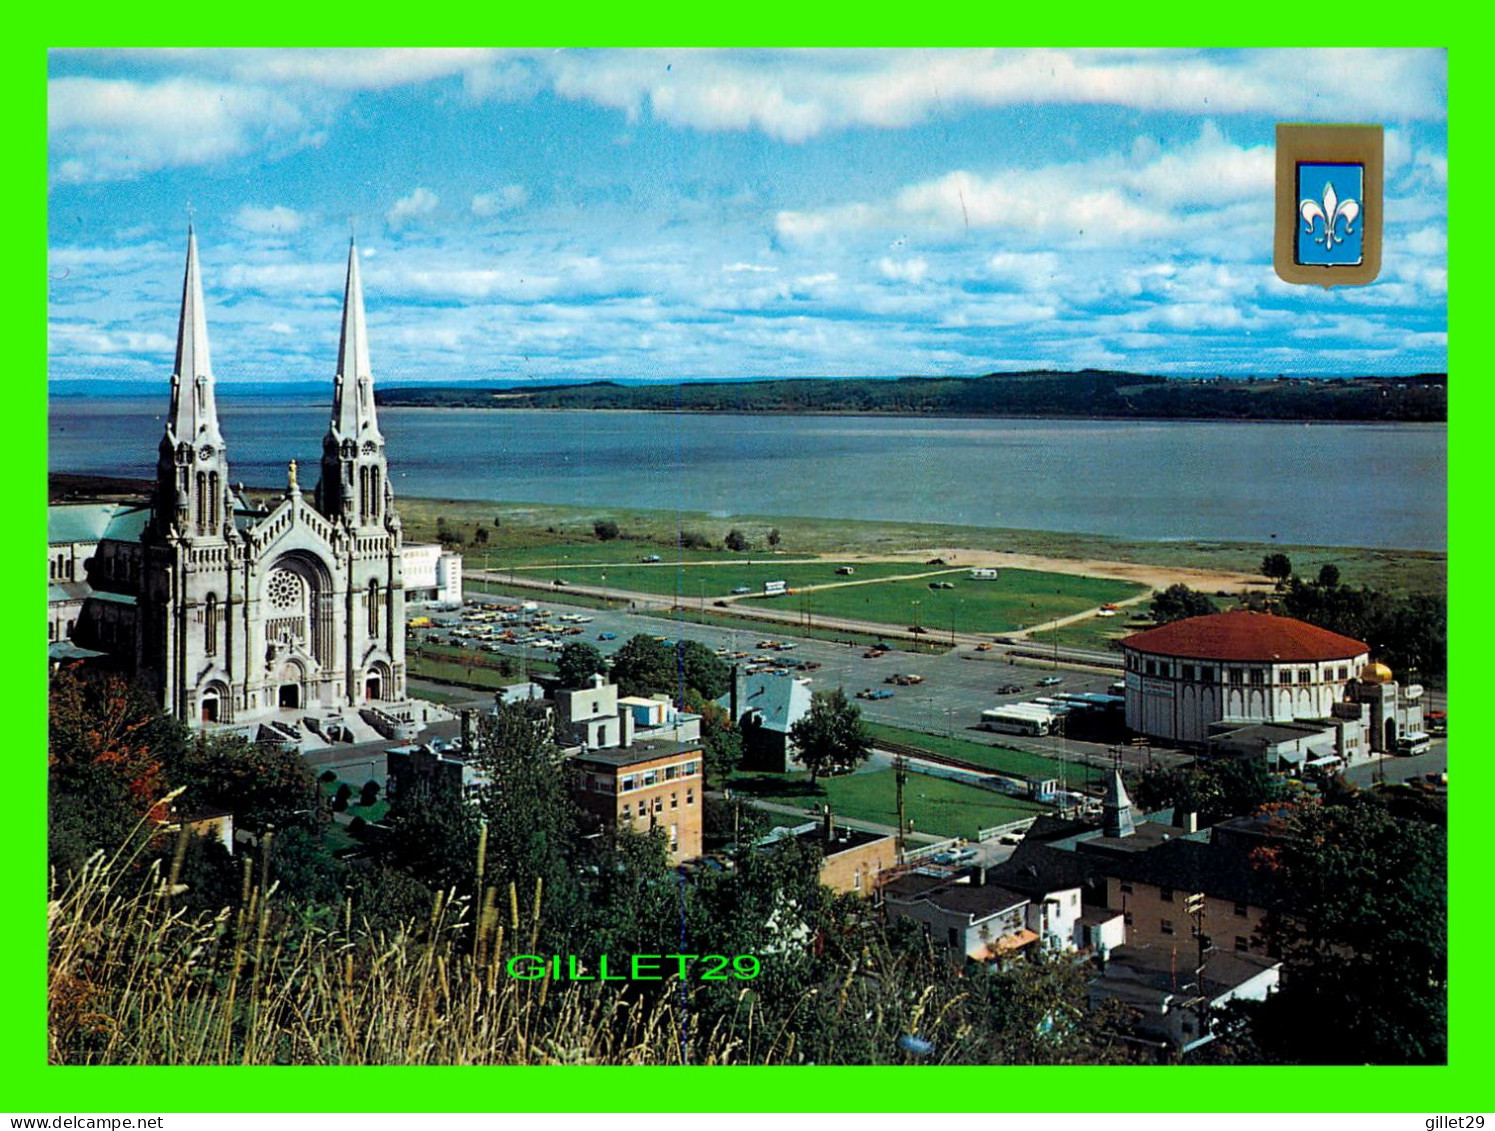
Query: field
[[934, 805], [891, 593], [1000, 758], [528, 534]]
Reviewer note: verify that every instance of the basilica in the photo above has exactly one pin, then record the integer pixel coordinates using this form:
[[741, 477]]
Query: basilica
[[290, 613]]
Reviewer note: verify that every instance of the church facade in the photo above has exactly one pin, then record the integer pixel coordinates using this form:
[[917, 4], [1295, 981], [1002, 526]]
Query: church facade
[[297, 609]]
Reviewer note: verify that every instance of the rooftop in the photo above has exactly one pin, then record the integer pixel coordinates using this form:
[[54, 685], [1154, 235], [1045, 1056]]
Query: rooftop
[[637, 753], [1244, 636]]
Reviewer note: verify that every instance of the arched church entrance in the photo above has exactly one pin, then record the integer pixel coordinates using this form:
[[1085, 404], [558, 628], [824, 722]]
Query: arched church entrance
[[290, 696]]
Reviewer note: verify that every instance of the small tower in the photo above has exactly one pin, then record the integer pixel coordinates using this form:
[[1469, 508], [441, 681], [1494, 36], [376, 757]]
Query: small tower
[[191, 498], [1116, 809], [355, 482]]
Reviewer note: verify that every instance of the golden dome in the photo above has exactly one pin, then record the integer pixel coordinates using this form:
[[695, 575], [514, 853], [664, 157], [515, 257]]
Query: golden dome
[[1375, 673]]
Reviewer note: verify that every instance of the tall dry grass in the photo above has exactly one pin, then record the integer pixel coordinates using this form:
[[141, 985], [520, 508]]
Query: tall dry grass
[[135, 979]]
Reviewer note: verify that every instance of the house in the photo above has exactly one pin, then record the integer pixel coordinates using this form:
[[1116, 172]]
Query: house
[[765, 707], [985, 920], [647, 785], [1171, 997], [1166, 880], [851, 860]]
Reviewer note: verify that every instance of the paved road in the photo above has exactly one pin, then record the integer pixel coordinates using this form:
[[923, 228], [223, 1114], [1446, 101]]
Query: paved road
[[1394, 769]]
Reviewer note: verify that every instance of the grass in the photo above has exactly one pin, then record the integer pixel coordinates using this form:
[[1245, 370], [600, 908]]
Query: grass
[[1000, 758], [529, 533], [892, 593], [935, 805], [133, 981]]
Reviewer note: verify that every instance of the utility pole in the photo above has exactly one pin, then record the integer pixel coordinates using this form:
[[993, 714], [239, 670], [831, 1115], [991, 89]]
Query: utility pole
[[1194, 906], [900, 775]]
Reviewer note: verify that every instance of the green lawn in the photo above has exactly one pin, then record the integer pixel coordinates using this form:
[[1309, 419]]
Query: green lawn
[[1095, 633], [935, 805], [992, 757], [1015, 599]]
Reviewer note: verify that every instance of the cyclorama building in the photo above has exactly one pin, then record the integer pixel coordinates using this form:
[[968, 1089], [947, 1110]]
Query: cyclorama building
[[1190, 680], [290, 614]]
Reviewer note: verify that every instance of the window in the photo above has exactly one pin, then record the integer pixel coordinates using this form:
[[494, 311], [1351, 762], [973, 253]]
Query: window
[[1305, 675], [1235, 676], [1207, 675], [1152, 667], [1242, 943], [856, 880], [1165, 894], [1285, 676], [1258, 677], [674, 801], [690, 767], [1167, 926], [659, 805], [1344, 672], [627, 811], [690, 797], [629, 784], [651, 777], [210, 630], [953, 938], [1126, 885], [671, 773]]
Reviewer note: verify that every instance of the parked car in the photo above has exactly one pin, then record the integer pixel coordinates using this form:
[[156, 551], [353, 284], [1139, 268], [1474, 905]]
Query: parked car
[[1050, 681], [739, 590], [607, 636], [651, 558], [1009, 689]]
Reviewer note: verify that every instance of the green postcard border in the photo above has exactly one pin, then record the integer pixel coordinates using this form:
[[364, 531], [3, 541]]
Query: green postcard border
[[31, 1086]]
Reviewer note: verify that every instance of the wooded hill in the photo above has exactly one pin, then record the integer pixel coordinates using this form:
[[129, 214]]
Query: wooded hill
[[1087, 393]]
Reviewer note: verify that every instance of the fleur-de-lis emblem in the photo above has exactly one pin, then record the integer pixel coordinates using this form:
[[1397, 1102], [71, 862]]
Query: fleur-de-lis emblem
[[1330, 212]]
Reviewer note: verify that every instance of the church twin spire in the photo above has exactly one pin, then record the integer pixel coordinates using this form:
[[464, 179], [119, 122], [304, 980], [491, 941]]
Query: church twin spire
[[192, 472]]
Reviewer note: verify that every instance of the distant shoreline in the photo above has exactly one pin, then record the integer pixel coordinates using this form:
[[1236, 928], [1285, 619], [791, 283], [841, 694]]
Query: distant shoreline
[[1086, 395]]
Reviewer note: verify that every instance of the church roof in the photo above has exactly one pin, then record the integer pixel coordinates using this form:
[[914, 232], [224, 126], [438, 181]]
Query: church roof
[[1243, 636], [94, 522]]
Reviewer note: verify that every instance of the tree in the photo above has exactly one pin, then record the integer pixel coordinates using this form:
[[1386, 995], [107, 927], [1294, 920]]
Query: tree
[[1277, 566], [690, 540], [1362, 925], [605, 529], [1178, 602], [1328, 577], [528, 804], [737, 541], [577, 663], [831, 738], [774, 538], [434, 836], [480, 535], [643, 666], [721, 742], [260, 785], [702, 670]]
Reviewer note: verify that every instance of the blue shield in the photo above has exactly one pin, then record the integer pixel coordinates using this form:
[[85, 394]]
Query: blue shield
[[1331, 216]]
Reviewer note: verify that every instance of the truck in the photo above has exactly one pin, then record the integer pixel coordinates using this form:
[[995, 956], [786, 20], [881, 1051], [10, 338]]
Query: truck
[[775, 588]]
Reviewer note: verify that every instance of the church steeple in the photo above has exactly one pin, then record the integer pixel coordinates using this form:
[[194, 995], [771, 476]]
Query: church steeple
[[354, 482], [1116, 809], [192, 469]]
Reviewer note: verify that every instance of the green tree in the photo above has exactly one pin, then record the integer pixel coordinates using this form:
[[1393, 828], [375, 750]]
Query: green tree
[[1362, 926], [260, 785], [774, 537], [1277, 566], [529, 805], [605, 529], [830, 737], [1328, 576], [1178, 602], [433, 836], [701, 670], [643, 666], [737, 541], [576, 665], [721, 742]]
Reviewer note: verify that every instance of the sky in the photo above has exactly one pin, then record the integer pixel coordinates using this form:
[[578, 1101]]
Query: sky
[[683, 214]]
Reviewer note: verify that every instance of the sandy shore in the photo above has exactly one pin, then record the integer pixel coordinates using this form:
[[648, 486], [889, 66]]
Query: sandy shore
[[1157, 577]]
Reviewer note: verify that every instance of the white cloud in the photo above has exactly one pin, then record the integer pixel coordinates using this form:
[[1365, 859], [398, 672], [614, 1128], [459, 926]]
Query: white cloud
[[421, 202], [507, 199], [279, 220], [109, 129], [910, 270]]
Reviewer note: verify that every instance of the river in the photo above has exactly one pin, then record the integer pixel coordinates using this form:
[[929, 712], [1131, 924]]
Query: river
[[1379, 485]]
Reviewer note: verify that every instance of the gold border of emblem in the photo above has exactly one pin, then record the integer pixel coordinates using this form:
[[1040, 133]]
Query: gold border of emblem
[[1360, 145]]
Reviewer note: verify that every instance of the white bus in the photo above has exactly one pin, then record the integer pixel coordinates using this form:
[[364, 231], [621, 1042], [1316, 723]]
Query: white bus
[[775, 588], [1008, 721]]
